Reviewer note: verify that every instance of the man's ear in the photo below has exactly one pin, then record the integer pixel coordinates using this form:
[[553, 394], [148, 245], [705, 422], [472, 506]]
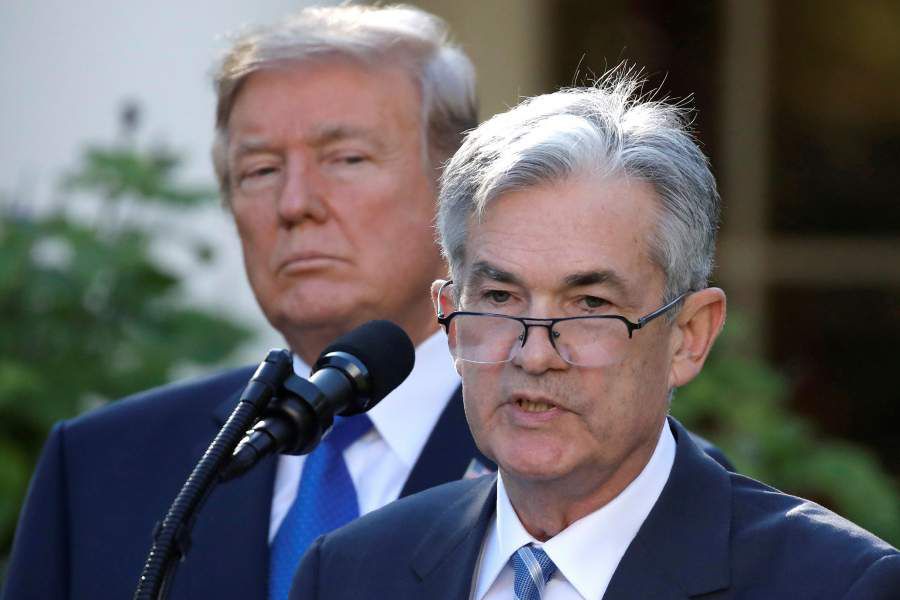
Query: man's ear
[[435, 301], [697, 326], [444, 306]]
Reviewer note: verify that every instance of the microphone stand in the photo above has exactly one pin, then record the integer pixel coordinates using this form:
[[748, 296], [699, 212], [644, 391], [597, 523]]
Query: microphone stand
[[171, 537]]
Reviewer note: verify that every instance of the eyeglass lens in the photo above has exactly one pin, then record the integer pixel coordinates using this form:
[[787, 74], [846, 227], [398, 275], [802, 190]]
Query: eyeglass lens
[[489, 339]]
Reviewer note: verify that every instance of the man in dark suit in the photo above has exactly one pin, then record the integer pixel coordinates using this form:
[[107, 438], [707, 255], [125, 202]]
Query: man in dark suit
[[580, 230], [331, 129]]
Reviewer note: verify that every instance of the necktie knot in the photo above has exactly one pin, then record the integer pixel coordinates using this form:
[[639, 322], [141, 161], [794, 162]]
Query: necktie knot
[[347, 430], [532, 570]]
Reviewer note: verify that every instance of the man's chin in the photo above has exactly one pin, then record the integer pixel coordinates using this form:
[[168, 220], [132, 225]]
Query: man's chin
[[312, 304], [531, 467], [315, 320]]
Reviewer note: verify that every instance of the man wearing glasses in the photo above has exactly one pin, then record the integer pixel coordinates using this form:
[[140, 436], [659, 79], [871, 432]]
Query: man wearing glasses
[[580, 230]]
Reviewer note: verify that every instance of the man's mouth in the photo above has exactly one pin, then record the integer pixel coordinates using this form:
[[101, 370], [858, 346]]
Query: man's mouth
[[534, 406], [305, 260]]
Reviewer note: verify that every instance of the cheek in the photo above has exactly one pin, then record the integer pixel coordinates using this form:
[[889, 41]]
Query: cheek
[[479, 417], [252, 226], [605, 397], [479, 391], [256, 249], [651, 372], [403, 206], [364, 227], [641, 393], [258, 239]]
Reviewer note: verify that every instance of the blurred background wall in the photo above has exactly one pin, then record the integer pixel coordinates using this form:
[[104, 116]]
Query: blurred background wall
[[69, 68], [797, 105]]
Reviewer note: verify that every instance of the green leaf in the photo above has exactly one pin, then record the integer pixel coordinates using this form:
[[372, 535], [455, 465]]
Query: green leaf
[[114, 173]]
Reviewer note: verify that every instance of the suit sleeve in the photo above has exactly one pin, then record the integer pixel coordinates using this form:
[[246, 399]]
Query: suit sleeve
[[881, 581], [306, 579], [39, 563]]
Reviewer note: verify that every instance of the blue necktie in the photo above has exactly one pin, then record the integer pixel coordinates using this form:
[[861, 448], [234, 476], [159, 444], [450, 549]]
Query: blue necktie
[[326, 499], [533, 569]]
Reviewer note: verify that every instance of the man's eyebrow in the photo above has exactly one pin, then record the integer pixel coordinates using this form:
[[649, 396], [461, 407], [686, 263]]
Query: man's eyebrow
[[585, 278], [485, 270], [321, 136], [249, 145]]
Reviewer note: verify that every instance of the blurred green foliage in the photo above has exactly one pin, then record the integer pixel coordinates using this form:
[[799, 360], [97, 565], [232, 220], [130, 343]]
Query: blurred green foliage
[[739, 403], [87, 315]]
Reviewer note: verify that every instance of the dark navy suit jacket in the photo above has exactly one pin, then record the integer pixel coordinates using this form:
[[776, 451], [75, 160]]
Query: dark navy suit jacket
[[712, 534], [104, 479]]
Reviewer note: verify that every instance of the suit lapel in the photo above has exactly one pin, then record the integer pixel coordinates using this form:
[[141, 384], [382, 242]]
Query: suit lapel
[[639, 576], [446, 558], [682, 549], [449, 452]]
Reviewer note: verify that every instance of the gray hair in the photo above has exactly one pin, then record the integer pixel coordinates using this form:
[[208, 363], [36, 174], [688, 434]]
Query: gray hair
[[372, 36], [608, 129]]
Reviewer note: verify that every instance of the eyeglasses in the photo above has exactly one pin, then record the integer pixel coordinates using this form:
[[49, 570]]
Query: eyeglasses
[[588, 341]]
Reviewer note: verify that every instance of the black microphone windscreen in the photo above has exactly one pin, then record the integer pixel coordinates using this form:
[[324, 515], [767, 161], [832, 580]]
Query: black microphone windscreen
[[386, 351]]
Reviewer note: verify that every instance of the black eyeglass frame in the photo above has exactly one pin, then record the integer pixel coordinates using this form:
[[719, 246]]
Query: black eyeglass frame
[[548, 324]]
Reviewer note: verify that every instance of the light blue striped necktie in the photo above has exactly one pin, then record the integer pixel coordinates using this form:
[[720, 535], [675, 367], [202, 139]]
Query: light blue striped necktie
[[532, 569], [326, 499]]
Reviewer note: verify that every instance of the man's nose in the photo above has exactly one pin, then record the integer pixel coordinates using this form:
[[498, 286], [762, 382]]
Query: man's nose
[[538, 354], [302, 196]]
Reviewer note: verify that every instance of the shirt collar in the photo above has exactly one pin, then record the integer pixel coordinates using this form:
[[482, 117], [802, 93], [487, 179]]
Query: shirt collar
[[405, 417], [588, 551]]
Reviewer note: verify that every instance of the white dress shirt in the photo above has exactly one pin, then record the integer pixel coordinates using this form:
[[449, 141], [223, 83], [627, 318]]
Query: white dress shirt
[[587, 552], [381, 460]]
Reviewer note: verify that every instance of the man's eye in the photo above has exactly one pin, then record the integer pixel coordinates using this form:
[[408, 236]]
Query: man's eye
[[593, 302], [497, 296], [349, 159], [260, 172], [257, 179]]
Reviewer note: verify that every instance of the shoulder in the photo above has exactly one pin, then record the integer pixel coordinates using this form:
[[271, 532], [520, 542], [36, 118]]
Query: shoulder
[[168, 402], [800, 540], [171, 422], [763, 510], [103, 479], [712, 451]]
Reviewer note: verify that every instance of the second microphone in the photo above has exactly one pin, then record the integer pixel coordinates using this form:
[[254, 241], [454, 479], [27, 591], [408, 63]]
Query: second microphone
[[351, 376]]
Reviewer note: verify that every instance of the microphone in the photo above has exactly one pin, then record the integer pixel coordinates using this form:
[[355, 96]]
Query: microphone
[[351, 376]]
